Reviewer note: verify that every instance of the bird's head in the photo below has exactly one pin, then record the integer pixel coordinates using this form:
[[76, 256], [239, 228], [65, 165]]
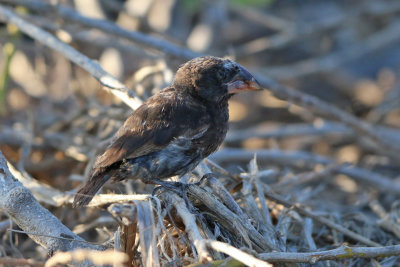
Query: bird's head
[[213, 79]]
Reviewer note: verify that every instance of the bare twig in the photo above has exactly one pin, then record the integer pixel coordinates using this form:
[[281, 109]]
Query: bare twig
[[147, 233], [237, 254], [307, 230], [104, 199], [106, 79], [343, 252], [30, 216]]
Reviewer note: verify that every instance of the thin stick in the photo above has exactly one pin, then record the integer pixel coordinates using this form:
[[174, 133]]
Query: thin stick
[[343, 252], [237, 254], [105, 78]]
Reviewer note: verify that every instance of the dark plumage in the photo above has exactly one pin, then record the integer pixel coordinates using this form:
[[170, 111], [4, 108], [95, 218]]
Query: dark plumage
[[173, 130]]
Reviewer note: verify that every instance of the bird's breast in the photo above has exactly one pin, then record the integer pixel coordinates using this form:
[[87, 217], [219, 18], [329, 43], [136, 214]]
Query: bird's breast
[[216, 132]]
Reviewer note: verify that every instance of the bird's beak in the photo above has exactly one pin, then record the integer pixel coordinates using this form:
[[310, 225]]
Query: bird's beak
[[243, 81]]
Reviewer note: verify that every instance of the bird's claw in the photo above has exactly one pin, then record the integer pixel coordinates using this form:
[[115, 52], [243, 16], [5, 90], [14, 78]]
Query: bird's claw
[[204, 178]]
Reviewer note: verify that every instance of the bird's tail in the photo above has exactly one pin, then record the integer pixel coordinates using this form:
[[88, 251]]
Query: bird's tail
[[86, 193]]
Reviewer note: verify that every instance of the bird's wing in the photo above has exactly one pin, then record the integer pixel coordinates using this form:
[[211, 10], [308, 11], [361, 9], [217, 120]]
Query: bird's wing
[[153, 125]]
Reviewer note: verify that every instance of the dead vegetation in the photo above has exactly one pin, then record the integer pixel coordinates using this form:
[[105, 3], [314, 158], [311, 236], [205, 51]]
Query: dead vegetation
[[309, 172]]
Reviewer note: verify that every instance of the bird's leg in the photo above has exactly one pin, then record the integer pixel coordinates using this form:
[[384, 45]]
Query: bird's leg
[[204, 178], [173, 186], [178, 188]]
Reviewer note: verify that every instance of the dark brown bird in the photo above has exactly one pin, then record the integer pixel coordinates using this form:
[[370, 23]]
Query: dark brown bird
[[174, 129]]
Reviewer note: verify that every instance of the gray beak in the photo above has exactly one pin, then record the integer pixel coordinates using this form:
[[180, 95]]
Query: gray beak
[[243, 81]]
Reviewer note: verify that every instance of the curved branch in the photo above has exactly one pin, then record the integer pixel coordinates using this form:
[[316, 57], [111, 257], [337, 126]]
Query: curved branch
[[19, 203]]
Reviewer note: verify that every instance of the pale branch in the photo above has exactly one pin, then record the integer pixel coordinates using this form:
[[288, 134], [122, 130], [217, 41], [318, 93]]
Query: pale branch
[[106, 199], [343, 252], [105, 78], [19, 203], [236, 253]]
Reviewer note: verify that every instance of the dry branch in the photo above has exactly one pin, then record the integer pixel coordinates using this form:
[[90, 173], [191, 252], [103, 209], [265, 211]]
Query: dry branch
[[106, 79], [19, 203], [237, 254], [343, 252]]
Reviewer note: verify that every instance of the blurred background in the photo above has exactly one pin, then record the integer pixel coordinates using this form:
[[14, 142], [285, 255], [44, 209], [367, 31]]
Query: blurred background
[[344, 52], [55, 117]]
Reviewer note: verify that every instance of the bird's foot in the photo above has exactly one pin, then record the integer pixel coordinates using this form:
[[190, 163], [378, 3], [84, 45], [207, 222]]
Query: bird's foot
[[179, 188], [204, 178]]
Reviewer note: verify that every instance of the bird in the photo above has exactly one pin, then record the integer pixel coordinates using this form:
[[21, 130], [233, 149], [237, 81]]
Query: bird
[[173, 130]]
